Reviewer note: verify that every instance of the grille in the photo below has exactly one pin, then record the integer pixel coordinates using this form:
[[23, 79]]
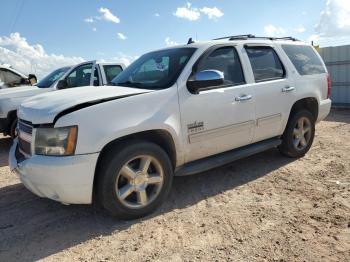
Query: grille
[[25, 137]]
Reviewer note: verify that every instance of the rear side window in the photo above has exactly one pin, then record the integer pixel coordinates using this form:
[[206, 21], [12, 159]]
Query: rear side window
[[304, 59], [111, 72], [265, 63]]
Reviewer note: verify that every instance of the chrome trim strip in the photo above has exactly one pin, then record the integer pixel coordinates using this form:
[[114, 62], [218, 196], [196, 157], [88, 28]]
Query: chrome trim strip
[[221, 131], [269, 119], [25, 136]]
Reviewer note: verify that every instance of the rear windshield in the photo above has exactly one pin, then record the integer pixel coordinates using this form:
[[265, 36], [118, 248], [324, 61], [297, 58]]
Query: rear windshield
[[304, 59]]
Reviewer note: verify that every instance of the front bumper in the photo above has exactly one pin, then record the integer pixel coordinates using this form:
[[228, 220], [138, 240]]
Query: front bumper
[[324, 109], [67, 180]]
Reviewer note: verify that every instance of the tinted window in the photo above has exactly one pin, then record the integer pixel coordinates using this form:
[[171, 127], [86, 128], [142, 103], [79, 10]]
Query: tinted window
[[80, 76], [52, 78], [155, 70], [304, 59], [111, 72], [224, 59], [265, 63]]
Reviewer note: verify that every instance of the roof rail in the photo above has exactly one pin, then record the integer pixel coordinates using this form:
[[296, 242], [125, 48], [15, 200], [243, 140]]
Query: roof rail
[[250, 36], [236, 37]]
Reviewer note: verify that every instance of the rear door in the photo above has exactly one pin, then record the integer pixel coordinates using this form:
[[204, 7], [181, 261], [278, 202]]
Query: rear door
[[274, 90], [110, 71]]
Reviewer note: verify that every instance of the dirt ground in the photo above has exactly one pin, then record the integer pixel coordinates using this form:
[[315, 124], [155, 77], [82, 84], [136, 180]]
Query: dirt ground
[[263, 208]]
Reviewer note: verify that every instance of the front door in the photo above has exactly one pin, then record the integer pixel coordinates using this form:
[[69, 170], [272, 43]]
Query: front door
[[83, 74], [223, 117]]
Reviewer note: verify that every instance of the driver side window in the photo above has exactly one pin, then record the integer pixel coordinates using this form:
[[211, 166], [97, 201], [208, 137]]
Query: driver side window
[[152, 70], [226, 60], [80, 76]]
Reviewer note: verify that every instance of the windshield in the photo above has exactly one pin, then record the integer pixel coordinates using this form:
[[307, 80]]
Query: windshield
[[155, 70], [52, 78]]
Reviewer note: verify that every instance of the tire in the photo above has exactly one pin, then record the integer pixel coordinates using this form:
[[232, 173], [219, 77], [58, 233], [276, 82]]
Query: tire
[[122, 185], [290, 146], [13, 127]]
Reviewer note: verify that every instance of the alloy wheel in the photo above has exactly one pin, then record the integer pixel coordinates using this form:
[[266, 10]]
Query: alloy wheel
[[302, 133], [139, 181]]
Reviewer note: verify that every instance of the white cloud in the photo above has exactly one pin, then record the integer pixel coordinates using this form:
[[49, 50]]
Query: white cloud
[[169, 42], [89, 20], [333, 27], [27, 58], [108, 16], [157, 15], [304, 13], [335, 19], [124, 58], [94, 29], [300, 29], [212, 13], [271, 30], [121, 36], [187, 12]]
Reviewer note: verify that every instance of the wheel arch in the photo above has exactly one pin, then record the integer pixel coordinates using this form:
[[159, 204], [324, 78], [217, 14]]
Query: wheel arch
[[308, 103], [158, 136]]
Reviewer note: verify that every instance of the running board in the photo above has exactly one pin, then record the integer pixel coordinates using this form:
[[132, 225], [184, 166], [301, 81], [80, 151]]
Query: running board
[[221, 159]]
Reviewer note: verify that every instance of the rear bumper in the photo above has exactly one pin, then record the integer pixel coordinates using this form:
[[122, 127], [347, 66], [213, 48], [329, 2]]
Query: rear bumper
[[64, 179], [324, 109]]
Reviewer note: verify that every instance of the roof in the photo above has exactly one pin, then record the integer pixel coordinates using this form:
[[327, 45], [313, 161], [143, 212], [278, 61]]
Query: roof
[[241, 40]]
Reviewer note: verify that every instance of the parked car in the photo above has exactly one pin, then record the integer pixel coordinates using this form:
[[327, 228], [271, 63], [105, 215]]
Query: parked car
[[10, 77], [62, 78], [176, 111]]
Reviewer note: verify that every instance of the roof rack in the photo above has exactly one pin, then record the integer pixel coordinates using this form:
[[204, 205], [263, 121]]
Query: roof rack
[[250, 36]]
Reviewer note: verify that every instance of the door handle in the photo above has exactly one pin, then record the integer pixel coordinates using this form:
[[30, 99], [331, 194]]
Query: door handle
[[288, 89], [243, 98]]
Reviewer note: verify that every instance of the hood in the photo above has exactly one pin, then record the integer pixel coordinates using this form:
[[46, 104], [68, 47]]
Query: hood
[[43, 109], [20, 91]]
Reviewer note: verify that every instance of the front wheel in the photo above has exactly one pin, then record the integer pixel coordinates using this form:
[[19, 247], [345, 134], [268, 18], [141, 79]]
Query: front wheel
[[134, 179], [299, 134]]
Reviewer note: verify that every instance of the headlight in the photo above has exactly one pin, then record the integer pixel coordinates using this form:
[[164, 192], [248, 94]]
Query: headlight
[[59, 141]]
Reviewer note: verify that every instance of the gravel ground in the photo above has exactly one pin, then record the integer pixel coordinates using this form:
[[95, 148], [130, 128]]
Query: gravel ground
[[263, 208]]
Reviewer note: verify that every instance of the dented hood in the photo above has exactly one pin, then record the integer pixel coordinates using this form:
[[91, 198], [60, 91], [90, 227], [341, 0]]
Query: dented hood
[[43, 109]]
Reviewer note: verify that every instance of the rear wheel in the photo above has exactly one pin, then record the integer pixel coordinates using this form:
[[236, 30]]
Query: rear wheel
[[134, 179], [299, 134]]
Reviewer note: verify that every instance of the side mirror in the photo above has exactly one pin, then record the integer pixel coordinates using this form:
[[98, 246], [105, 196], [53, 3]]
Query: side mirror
[[204, 80], [32, 79], [62, 84]]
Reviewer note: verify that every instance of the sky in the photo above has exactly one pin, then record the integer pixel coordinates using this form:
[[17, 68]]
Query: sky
[[38, 36]]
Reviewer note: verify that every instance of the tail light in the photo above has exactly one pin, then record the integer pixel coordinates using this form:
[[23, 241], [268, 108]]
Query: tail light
[[329, 86]]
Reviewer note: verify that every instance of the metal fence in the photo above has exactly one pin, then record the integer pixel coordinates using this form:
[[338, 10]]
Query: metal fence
[[337, 60]]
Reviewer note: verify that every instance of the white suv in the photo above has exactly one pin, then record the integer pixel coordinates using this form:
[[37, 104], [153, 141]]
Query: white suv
[[175, 111]]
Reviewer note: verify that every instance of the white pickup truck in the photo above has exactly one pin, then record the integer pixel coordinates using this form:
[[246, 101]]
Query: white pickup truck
[[62, 78], [175, 111]]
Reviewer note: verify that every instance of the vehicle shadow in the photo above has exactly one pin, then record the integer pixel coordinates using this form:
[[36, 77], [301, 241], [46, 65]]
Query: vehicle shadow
[[5, 144], [32, 228], [339, 115]]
